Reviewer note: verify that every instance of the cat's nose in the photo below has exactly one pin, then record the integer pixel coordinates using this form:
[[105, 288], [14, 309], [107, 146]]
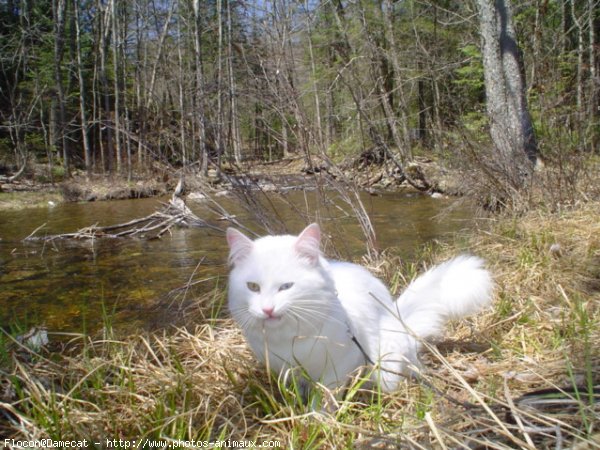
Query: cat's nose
[[268, 310]]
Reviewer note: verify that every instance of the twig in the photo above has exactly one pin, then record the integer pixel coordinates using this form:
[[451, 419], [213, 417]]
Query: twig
[[153, 226], [35, 231], [515, 414]]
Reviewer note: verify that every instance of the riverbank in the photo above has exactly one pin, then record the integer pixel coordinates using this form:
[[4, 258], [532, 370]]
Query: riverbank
[[29, 199], [483, 385], [77, 189], [367, 174]]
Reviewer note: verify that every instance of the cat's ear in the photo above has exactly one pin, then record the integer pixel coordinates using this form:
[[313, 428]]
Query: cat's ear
[[239, 245], [308, 244]]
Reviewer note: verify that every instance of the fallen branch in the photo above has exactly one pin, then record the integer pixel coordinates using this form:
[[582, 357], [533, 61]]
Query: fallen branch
[[153, 226]]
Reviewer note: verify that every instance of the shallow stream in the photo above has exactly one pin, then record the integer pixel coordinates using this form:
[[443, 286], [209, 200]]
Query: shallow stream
[[77, 285]]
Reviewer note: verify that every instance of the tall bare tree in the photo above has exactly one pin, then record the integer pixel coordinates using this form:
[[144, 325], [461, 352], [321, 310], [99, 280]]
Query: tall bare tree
[[219, 131], [59, 10], [234, 127], [114, 20], [103, 46], [199, 94], [83, 102]]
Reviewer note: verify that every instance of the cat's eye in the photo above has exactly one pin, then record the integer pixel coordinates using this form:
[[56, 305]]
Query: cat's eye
[[286, 286], [254, 287]]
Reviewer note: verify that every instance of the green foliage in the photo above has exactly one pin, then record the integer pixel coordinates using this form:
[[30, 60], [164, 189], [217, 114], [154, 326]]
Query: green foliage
[[424, 403], [470, 74], [469, 82], [36, 144], [58, 173], [474, 121]]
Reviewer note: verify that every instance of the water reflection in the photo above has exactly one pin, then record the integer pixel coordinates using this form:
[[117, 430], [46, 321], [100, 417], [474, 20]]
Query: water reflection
[[67, 285]]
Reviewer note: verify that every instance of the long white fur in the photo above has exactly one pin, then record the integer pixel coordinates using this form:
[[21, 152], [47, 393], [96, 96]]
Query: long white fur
[[336, 317]]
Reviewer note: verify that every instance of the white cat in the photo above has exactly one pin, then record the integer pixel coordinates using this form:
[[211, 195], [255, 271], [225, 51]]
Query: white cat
[[329, 318]]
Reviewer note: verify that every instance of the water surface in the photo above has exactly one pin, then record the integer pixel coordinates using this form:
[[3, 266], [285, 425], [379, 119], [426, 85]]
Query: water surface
[[70, 285]]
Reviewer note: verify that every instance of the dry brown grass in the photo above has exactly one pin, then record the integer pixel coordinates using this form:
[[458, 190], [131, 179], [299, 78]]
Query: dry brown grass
[[479, 389]]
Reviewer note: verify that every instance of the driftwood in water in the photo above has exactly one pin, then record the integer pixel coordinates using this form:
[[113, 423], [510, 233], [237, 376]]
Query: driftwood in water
[[174, 213]]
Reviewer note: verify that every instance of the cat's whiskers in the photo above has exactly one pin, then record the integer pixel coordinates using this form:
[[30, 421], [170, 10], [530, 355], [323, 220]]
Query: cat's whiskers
[[318, 314], [303, 319], [307, 309], [311, 305], [310, 313], [243, 317]]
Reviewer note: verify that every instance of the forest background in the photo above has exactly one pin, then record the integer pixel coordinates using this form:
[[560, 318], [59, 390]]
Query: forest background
[[123, 87]]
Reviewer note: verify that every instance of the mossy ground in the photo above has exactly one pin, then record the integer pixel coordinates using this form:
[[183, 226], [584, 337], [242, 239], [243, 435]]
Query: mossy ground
[[31, 199]]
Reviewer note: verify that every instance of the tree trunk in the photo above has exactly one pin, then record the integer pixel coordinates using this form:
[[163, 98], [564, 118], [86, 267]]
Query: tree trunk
[[181, 89], [594, 85], [82, 92], [219, 124], [123, 53], [511, 127], [199, 94], [422, 104], [234, 123], [106, 124], [405, 151], [140, 91], [59, 10], [117, 90], [580, 63]]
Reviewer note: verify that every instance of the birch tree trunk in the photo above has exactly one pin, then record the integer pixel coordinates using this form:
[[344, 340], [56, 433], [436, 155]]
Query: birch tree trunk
[[511, 127]]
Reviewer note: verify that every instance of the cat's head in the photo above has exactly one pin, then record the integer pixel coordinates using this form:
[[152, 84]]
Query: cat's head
[[276, 280]]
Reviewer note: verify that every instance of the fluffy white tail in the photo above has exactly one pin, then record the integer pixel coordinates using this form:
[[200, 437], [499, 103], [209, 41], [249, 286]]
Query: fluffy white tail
[[451, 290]]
